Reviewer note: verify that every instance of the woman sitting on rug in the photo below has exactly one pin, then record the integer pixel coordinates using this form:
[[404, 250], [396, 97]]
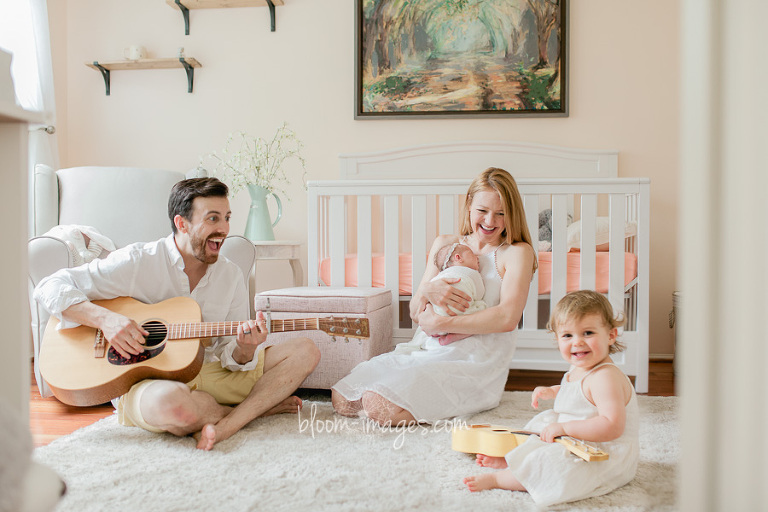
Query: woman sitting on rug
[[467, 373]]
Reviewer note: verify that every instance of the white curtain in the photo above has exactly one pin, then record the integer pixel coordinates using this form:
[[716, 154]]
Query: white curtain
[[24, 32], [723, 247]]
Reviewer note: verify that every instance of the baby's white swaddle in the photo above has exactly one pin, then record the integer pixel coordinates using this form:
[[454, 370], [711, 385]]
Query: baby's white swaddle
[[470, 282]]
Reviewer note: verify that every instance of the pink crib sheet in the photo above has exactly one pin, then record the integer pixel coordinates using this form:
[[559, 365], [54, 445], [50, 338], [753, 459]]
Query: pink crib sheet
[[544, 271]]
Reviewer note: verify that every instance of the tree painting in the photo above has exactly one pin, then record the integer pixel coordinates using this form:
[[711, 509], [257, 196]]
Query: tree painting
[[461, 57]]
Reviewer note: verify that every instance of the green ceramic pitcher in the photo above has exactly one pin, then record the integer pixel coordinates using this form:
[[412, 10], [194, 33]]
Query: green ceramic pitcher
[[259, 225]]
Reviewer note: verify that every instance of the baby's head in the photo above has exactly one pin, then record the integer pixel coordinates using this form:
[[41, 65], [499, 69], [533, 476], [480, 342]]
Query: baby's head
[[456, 254], [576, 305]]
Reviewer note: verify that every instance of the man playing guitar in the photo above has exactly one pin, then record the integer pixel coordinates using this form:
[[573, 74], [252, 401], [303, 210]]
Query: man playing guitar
[[239, 381]]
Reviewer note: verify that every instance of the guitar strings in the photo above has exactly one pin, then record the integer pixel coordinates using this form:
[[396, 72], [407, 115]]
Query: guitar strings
[[198, 329]]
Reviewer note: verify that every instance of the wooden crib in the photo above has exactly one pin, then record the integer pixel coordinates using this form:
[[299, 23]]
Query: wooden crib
[[369, 231]]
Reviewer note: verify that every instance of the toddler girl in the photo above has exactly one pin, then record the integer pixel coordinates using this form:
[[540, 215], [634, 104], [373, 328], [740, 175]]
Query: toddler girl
[[595, 402]]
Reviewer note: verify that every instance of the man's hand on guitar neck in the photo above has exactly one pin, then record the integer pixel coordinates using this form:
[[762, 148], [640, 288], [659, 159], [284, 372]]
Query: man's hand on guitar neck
[[250, 334], [124, 334]]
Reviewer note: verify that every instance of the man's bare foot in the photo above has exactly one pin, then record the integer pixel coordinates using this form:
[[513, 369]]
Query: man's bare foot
[[487, 461], [481, 482], [292, 404], [206, 438]]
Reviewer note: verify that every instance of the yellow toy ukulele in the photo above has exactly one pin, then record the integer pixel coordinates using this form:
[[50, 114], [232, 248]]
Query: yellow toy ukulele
[[497, 441]]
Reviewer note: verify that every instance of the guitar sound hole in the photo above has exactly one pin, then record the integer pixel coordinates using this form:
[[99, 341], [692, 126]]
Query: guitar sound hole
[[157, 333], [153, 345]]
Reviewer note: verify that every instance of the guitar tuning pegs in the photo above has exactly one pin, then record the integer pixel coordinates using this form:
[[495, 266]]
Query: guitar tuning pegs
[[358, 332], [357, 321], [333, 339]]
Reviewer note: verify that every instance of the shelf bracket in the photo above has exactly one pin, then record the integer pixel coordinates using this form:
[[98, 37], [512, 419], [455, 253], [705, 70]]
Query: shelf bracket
[[185, 13], [271, 14], [104, 73], [190, 73]]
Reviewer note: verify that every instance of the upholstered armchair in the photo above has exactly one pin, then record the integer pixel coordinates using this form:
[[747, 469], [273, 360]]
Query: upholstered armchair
[[124, 204]]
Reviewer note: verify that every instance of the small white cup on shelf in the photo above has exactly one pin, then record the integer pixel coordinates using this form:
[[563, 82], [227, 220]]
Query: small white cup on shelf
[[134, 52]]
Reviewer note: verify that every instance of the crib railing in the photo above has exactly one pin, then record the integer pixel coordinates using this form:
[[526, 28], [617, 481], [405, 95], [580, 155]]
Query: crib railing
[[389, 217]]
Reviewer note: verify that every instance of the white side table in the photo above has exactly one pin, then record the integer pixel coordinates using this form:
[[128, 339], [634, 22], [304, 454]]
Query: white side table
[[281, 250]]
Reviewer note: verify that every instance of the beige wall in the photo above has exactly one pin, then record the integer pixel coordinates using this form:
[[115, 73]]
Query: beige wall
[[624, 77]]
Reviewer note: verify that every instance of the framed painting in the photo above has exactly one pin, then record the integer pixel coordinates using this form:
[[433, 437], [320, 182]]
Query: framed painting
[[456, 58]]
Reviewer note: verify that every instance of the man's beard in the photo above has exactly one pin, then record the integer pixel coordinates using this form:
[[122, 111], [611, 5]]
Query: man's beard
[[199, 248]]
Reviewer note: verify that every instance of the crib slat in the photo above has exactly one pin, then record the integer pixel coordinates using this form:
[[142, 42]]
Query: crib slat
[[324, 250], [643, 217], [559, 249], [531, 311], [447, 214], [616, 255], [431, 221], [391, 252], [419, 221], [337, 239], [314, 226], [588, 257], [364, 241]]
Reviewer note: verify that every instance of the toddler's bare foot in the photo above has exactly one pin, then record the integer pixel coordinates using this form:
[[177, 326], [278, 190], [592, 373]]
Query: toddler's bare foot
[[292, 404], [487, 461], [481, 482], [206, 438]]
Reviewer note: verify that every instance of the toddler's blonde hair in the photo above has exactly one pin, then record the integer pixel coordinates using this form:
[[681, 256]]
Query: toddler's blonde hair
[[578, 304]]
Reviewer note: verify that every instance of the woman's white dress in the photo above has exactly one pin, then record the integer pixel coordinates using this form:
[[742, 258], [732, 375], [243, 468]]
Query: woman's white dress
[[440, 382], [551, 474]]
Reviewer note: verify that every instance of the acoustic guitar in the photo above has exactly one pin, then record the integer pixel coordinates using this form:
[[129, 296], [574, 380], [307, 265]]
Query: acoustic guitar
[[497, 441], [81, 369]]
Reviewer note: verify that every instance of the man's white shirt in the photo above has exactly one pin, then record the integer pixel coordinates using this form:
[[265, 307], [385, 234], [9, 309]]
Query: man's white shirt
[[152, 272]]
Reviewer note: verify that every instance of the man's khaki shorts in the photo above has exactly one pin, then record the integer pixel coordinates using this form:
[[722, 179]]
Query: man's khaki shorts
[[225, 386]]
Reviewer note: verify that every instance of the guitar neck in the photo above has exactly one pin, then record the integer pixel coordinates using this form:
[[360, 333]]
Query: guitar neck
[[183, 331]]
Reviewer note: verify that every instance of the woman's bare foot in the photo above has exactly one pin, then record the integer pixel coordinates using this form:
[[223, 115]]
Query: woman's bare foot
[[206, 438], [341, 405], [292, 404], [481, 482], [487, 461]]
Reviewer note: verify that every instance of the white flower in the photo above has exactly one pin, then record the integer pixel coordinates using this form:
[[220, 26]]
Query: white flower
[[248, 160]]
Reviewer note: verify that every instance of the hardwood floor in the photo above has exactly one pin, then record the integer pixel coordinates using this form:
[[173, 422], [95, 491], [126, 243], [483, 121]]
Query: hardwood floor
[[50, 419], [661, 379]]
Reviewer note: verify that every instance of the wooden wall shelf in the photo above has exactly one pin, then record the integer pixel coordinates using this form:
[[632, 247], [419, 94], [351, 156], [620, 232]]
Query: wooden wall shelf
[[185, 5], [163, 63]]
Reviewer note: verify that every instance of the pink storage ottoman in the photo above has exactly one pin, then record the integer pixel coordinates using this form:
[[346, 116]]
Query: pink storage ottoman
[[338, 356]]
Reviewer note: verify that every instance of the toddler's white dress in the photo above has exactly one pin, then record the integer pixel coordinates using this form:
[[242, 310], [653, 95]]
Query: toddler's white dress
[[440, 382], [551, 474]]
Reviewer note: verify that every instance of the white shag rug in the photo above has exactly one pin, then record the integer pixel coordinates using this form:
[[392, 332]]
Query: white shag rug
[[320, 461]]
